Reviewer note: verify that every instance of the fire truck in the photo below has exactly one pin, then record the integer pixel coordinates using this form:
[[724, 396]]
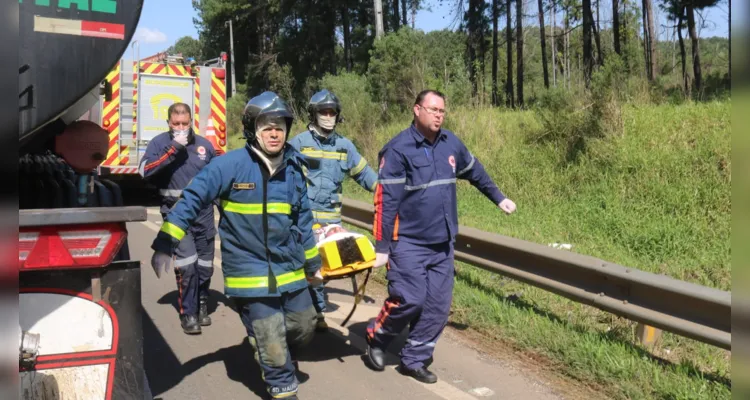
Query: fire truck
[[141, 94]]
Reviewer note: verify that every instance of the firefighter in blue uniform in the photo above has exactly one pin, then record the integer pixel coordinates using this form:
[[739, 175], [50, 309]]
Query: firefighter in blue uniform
[[171, 160], [267, 244], [330, 159], [415, 227]]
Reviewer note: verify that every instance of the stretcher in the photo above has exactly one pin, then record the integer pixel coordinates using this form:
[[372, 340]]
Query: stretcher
[[344, 255]]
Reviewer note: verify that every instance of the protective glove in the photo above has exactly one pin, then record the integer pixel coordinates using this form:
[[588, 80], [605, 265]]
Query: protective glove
[[380, 260], [508, 206], [161, 262], [181, 138], [315, 279]]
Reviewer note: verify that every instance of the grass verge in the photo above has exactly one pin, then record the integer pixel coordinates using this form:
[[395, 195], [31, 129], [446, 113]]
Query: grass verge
[[655, 198]]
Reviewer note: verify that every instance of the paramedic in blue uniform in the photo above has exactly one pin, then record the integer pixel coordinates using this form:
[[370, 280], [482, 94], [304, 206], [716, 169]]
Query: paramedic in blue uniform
[[171, 161], [415, 226], [268, 250], [330, 159]]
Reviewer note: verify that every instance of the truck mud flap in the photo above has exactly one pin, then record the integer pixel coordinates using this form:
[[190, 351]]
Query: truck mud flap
[[90, 334]]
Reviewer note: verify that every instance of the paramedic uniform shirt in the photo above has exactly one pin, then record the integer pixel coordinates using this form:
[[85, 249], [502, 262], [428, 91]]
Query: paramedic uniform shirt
[[415, 200]]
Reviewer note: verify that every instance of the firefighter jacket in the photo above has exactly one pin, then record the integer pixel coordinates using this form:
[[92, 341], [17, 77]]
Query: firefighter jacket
[[267, 244], [329, 161]]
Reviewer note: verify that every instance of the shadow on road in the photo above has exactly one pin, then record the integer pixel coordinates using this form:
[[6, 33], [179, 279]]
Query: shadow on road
[[239, 363], [214, 298], [165, 371], [347, 292]]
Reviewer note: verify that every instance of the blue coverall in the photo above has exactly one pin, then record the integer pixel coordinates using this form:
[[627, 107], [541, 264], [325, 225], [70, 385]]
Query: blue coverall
[[267, 249], [329, 161], [416, 222], [171, 166]]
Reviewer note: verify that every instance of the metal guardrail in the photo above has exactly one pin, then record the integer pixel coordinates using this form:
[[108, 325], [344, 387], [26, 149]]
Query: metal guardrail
[[684, 308]]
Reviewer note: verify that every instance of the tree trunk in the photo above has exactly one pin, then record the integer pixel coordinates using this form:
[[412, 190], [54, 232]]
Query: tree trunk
[[616, 25], [404, 8], [471, 27], [566, 50], [553, 11], [396, 17], [519, 52], [509, 100], [597, 37], [347, 37], [683, 55], [379, 22], [648, 39], [674, 47], [625, 29], [588, 54], [542, 34], [495, 56], [651, 38], [697, 74]]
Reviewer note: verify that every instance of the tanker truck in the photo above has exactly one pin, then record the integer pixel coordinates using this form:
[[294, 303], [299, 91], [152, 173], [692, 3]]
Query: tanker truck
[[80, 334]]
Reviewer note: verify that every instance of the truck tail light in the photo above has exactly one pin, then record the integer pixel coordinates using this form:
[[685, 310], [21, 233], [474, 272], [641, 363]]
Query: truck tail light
[[69, 246]]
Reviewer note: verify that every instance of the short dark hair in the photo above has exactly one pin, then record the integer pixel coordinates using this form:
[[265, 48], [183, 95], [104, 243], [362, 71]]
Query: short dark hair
[[178, 108], [424, 93]]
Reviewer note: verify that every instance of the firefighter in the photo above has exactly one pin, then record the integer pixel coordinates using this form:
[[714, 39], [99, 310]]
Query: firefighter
[[171, 161], [415, 227], [330, 159], [268, 250]]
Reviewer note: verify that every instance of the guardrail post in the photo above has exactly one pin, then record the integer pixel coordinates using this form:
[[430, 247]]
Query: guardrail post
[[647, 335]]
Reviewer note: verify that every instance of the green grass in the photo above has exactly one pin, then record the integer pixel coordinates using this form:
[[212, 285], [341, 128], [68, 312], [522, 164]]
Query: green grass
[[655, 198]]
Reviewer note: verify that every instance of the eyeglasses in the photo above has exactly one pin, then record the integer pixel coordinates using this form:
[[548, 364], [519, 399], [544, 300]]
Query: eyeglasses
[[433, 110]]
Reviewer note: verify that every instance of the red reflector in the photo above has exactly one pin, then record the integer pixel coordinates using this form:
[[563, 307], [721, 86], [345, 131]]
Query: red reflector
[[222, 143], [72, 246]]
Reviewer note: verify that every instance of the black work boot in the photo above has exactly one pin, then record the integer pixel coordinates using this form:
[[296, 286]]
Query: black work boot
[[203, 317], [421, 374], [375, 358], [190, 324]]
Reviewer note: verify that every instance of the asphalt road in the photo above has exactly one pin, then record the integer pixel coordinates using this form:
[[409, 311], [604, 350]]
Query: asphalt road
[[219, 364]]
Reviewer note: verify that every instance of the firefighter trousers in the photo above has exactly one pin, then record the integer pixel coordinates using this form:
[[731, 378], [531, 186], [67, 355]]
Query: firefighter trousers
[[194, 266], [420, 291], [276, 328]]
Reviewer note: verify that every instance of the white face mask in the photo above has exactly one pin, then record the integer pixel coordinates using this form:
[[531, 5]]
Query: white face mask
[[180, 133], [325, 122]]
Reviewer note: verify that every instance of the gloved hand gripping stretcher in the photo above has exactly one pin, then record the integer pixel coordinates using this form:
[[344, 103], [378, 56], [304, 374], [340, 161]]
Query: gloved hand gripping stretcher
[[345, 255]]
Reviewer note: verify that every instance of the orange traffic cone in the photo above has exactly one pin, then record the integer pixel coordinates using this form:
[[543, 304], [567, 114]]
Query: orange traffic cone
[[211, 136]]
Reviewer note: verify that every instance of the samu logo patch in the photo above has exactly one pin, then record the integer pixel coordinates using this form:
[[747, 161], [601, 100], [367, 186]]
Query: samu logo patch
[[243, 186]]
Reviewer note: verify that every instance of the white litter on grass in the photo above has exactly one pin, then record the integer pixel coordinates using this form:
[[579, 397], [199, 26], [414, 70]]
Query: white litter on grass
[[561, 246], [482, 392]]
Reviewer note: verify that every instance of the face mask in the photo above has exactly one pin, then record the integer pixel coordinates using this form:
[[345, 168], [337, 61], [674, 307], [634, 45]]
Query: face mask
[[180, 133], [325, 122]]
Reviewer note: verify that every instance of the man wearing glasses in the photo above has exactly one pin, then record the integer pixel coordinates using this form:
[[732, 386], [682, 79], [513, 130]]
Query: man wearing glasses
[[330, 159], [416, 222]]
